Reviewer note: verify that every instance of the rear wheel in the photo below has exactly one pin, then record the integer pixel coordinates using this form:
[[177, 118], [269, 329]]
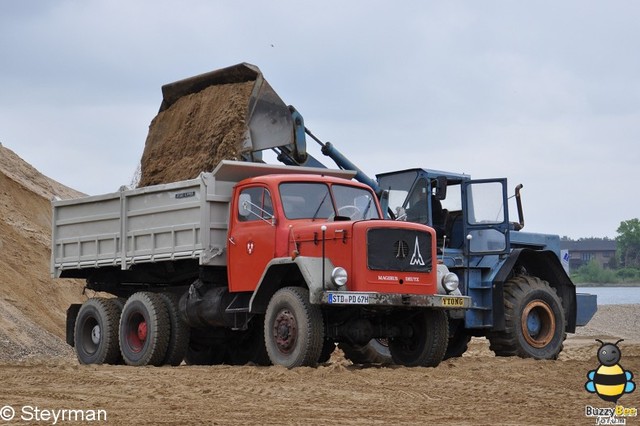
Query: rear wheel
[[96, 332], [293, 328], [426, 343], [179, 335], [534, 320], [145, 329]]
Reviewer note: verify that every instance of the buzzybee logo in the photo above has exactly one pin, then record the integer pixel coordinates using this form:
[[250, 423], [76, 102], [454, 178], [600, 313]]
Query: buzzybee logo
[[610, 381]]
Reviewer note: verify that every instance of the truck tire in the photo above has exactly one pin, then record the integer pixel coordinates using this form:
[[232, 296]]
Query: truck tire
[[179, 336], [248, 346], [206, 346], [534, 320], [428, 342], [293, 328], [458, 339], [374, 352], [96, 332], [144, 330]]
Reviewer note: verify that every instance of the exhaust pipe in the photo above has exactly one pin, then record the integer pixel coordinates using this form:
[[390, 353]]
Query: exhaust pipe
[[519, 205]]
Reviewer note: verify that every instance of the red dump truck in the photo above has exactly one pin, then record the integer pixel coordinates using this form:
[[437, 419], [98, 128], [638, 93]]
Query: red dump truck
[[251, 263]]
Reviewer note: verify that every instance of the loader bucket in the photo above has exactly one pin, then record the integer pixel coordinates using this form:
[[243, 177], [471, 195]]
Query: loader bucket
[[268, 119]]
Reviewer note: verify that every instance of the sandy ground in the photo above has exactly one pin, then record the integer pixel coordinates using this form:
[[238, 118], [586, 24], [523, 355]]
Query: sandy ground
[[475, 389]]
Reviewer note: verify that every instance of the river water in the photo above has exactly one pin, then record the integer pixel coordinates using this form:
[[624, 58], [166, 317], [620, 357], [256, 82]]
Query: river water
[[613, 295]]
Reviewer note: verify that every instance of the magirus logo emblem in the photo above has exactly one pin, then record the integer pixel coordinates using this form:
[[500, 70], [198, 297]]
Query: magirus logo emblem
[[416, 258]]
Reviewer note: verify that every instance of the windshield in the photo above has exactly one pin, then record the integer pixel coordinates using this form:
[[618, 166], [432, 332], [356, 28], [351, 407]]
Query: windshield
[[355, 203], [398, 185], [306, 200]]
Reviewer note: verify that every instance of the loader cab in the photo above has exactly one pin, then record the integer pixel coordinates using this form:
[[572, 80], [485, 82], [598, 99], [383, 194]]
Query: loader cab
[[467, 215]]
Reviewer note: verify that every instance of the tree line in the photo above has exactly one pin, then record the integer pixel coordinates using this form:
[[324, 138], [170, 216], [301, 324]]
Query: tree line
[[624, 267]]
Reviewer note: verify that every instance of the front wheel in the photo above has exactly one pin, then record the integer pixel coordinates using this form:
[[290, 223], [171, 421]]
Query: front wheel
[[293, 328], [426, 341], [458, 339], [534, 320]]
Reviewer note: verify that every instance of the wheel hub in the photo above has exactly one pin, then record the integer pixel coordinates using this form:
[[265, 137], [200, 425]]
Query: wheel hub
[[95, 334], [285, 330], [538, 323], [142, 331]]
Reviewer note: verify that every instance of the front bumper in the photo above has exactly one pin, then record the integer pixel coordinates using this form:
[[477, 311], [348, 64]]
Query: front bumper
[[395, 299]]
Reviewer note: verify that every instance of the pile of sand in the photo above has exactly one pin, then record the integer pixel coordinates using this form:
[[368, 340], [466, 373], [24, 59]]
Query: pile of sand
[[32, 305], [195, 134]]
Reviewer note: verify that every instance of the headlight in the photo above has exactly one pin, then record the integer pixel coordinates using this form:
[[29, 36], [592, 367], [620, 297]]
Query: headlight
[[339, 276], [450, 282]]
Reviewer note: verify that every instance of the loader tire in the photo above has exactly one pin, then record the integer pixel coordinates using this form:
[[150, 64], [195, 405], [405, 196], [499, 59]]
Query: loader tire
[[293, 328], [427, 343], [534, 320], [145, 330], [179, 335], [374, 352], [96, 332]]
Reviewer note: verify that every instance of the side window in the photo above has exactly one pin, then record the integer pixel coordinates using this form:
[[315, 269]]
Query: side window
[[255, 204]]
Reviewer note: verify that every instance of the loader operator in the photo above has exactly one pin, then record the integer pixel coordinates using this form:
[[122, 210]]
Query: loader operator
[[419, 212]]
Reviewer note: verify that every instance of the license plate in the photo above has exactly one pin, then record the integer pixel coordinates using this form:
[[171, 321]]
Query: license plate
[[453, 301], [349, 299]]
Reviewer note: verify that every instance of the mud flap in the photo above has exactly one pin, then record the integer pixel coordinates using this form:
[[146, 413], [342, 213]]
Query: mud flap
[[72, 314]]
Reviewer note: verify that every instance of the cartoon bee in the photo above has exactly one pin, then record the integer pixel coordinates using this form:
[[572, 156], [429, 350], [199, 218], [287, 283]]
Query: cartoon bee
[[609, 381]]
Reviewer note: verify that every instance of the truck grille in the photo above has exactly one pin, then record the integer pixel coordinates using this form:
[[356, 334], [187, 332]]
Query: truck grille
[[391, 249]]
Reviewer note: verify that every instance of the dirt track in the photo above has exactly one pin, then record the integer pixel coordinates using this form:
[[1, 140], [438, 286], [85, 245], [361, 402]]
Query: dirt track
[[475, 389]]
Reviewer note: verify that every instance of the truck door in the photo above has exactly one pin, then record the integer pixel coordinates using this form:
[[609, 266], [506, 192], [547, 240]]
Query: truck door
[[251, 238], [486, 218]]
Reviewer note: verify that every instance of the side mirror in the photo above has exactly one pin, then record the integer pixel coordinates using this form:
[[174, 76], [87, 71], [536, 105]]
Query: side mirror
[[441, 188], [244, 205]]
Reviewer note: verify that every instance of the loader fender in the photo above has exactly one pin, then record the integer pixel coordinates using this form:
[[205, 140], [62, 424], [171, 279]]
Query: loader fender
[[303, 271], [543, 264]]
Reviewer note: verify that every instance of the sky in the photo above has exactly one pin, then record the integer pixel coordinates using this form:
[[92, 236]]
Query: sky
[[544, 93]]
